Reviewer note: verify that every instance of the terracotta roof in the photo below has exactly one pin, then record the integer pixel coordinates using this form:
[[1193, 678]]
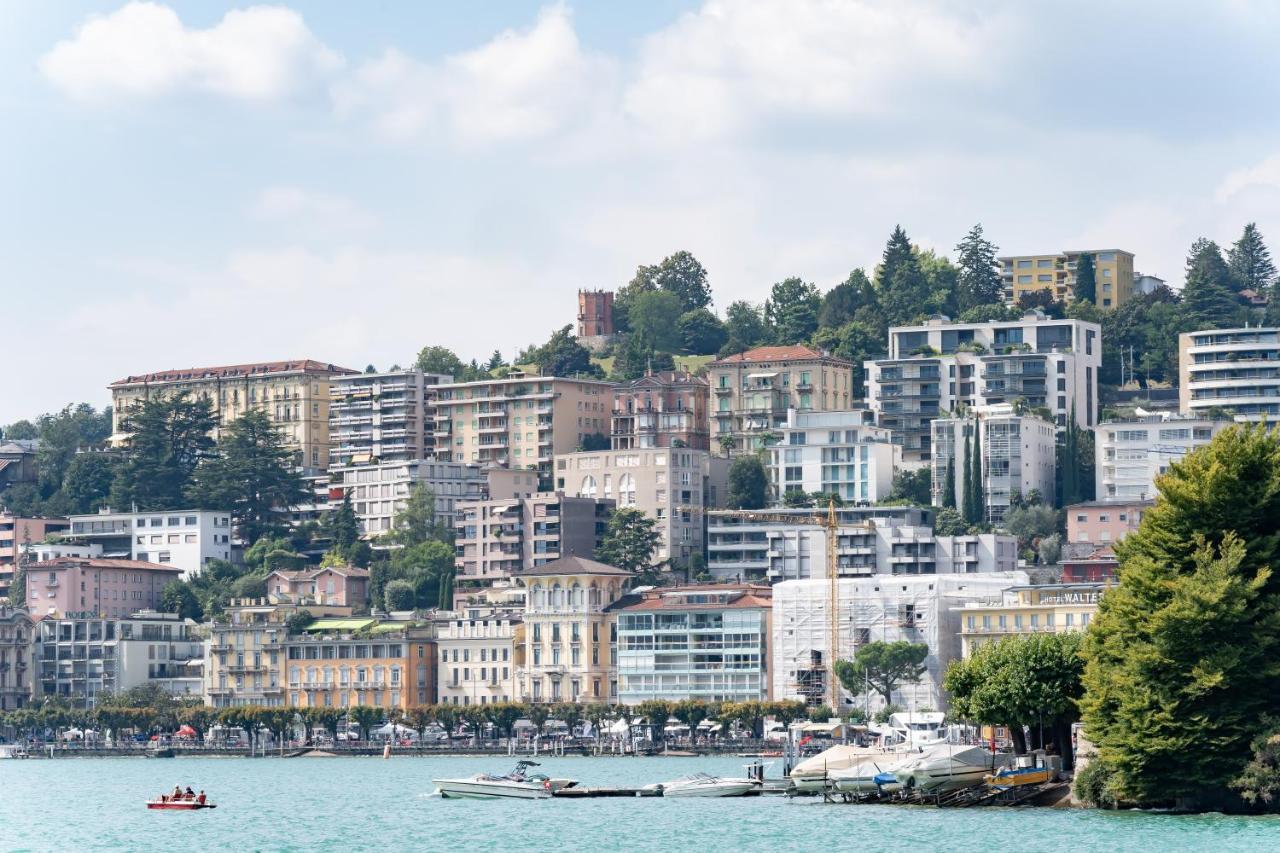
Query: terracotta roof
[[309, 574], [676, 598], [662, 379], [574, 565], [790, 353], [103, 563], [261, 368]]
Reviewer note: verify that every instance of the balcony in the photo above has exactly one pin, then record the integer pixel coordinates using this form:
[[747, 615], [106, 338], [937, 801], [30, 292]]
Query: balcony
[[246, 667]]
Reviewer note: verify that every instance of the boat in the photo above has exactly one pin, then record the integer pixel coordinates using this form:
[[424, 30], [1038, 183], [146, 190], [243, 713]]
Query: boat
[[185, 804], [811, 775], [1013, 777], [948, 767], [915, 729], [706, 785], [873, 775], [518, 785]]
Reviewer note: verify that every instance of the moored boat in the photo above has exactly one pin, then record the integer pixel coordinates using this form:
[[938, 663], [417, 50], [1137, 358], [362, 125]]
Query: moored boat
[[948, 767], [516, 785], [1013, 777], [706, 785], [811, 775], [869, 776]]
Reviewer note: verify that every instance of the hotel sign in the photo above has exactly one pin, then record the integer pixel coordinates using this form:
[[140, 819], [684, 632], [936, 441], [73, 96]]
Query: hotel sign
[[1071, 598]]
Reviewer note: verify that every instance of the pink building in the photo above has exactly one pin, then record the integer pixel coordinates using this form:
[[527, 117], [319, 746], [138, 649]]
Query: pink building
[[15, 534], [103, 587], [1104, 522], [336, 585]]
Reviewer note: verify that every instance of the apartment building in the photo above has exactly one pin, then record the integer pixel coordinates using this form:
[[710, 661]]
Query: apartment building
[[342, 662], [661, 483], [570, 642], [1105, 522], [336, 585], [497, 539], [294, 394], [186, 539], [480, 649], [877, 541], [382, 417], [95, 585], [1056, 273], [839, 453], [705, 643], [874, 609], [521, 421], [666, 409], [83, 658], [19, 536], [942, 366], [1018, 456], [1231, 371], [753, 392], [1132, 452], [1022, 610], [16, 630]]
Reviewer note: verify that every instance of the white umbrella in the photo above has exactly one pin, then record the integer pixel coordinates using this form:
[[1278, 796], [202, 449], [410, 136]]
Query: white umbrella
[[620, 727], [72, 734]]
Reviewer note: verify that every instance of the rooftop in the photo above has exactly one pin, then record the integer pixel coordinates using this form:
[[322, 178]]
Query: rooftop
[[1106, 504], [709, 597], [573, 565], [662, 379], [788, 353], [310, 574], [232, 371], [103, 563]]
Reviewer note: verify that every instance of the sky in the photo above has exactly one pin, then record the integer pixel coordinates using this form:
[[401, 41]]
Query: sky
[[199, 183]]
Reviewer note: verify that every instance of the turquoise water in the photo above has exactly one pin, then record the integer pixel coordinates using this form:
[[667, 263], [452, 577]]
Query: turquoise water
[[345, 804]]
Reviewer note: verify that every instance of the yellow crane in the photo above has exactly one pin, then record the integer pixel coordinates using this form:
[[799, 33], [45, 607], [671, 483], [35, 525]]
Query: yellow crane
[[830, 523]]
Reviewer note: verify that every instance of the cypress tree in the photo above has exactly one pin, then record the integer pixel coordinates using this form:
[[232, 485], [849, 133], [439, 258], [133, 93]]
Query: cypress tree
[[966, 509], [979, 497], [949, 484], [1086, 289]]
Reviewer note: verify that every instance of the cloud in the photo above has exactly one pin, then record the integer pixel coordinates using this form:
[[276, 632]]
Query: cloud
[[522, 84], [310, 212], [1264, 175], [144, 50]]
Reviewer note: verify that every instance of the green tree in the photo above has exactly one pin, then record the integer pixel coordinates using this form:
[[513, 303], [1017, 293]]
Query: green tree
[[748, 484], [791, 312], [562, 355], [635, 358], [1259, 783], [949, 522], [169, 439], [1250, 262], [1086, 289], [417, 521], [655, 320], [847, 300], [1032, 523], [177, 597], [343, 527], [942, 279], [252, 473], [298, 622], [1208, 298], [400, 595], [901, 284], [1181, 659], [495, 361], [701, 332], [746, 327], [683, 276], [967, 509], [975, 477], [436, 359], [630, 541], [949, 484], [979, 281], [87, 482], [883, 665], [912, 487], [365, 717]]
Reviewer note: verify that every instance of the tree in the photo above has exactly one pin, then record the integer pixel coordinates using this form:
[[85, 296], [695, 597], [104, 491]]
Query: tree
[[1259, 783], [1208, 298], [912, 487], [967, 508], [857, 341], [884, 666], [562, 355], [791, 312], [365, 717], [948, 522], [400, 595], [901, 285], [343, 527], [683, 276], [1181, 659], [169, 439], [1250, 262], [298, 622], [1031, 523], [87, 482], [251, 473], [949, 484], [630, 541], [495, 361], [746, 327], [748, 484], [979, 281], [1075, 464], [701, 332], [177, 597], [942, 281], [843, 303], [1086, 289], [1041, 300], [655, 320], [416, 522], [435, 359], [1050, 549]]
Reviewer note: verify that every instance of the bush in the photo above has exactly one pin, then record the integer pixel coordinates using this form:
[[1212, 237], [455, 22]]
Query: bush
[[1093, 785], [400, 595]]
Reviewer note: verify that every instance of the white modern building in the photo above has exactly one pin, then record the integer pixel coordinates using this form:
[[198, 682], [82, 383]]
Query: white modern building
[[382, 417], [1233, 370], [1018, 456], [184, 538], [875, 609], [477, 647], [656, 481], [841, 453], [940, 367], [1132, 453]]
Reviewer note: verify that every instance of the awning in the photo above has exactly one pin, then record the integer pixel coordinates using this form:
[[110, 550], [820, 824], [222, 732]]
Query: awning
[[388, 628], [762, 375], [340, 625]]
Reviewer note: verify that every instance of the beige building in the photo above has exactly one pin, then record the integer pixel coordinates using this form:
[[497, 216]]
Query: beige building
[[655, 481], [16, 631], [294, 394], [343, 662], [570, 638], [479, 650], [497, 539], [1049, 609], [521, 421], [1113, 274], [752, 392]]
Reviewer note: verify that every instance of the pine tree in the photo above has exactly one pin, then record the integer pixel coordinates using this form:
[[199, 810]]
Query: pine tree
[[1207, 296], [1086, 289], [979, 270], [949, 484], [1250, 262], [900, 281]]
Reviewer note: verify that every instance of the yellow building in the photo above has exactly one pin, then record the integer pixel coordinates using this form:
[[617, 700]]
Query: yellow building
[[344, 662], [521, 421], [1047, 609], [1113, 274], [294, 394]]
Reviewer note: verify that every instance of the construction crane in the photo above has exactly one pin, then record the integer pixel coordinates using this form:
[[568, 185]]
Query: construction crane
[[830, 523]]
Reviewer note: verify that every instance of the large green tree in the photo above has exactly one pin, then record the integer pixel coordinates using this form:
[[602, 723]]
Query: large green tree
[[857, 341], [701, 332], [1183, 657], [979, 280], [748, 484], [886, 666], [416, 522], [901, 284], [745, 324], [847, 300], [792, 311], [562, 355], [631, 540], [655, 320], [1250, 262], [683, 276], [1208, 297], [437, 359], [169, 438], [1086, 289]]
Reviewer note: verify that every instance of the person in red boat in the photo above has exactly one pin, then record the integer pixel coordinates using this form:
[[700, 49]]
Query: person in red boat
[[200, 799]]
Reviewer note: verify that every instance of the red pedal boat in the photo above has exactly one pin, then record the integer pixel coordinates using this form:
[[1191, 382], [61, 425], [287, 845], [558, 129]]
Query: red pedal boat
[[183, 805]]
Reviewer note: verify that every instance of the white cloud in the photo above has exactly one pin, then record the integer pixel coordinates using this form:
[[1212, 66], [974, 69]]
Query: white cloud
[[144, 50], [1264, 175], [310, 212], [522, 84]]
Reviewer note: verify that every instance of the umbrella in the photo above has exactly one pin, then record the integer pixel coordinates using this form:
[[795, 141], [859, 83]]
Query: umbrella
[[72, 734], [184, 729]]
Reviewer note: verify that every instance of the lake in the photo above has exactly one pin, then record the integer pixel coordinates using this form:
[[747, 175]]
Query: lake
[[342, 804]]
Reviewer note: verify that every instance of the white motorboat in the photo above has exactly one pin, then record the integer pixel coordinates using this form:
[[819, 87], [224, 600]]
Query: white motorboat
[[518, 784], [916, 729], [811, 775], [706, 785], [948, 767], [861, 777]]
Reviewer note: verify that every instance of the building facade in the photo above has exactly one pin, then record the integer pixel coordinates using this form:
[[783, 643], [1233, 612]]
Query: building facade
[[382, 417], [570, 642], [595, 316], [501, 538], [378, 492], [839, 453], [18, 461], [1104, 522], [19, 536], [95, 585], [706, 643], [661, 483], [294, 394], [1131, 453], [334, 585], [1056, 273], [1234, 371], [480, 649], [342, 662], [521, 421], [245, 653], [1018, 457], [753, 391], [666, 409], [16, 631], [1022, 610], [186, 539], [941, 367]]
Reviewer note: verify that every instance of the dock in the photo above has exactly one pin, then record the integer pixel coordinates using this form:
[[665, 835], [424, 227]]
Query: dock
[[771, 786]]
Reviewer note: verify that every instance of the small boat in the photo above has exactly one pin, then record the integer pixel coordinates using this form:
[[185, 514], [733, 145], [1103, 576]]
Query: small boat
[[1013, 777], [869, 776], [811, 775], [517, 785], [948, 767], [706, 785], [181, 805]]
